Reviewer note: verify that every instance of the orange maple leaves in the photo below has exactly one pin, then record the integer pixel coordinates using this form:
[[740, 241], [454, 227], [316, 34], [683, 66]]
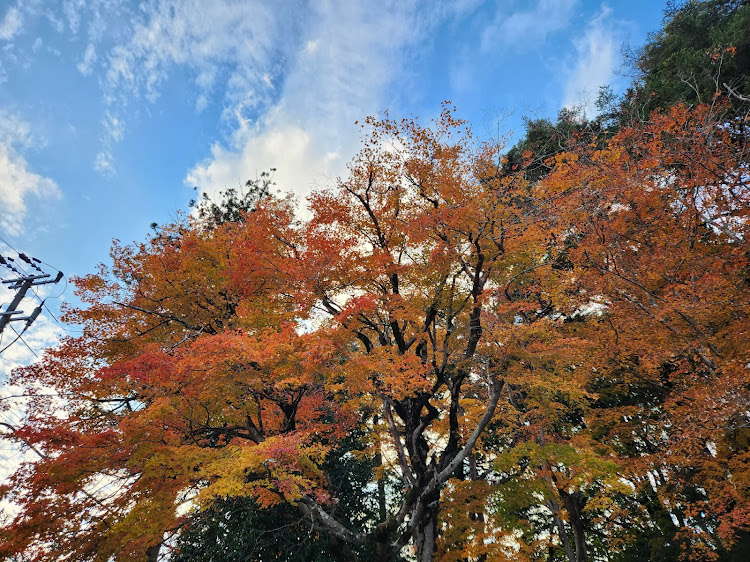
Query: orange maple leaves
[[229, 360]]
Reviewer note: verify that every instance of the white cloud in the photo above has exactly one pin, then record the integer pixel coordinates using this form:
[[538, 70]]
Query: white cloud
[[233, 50], [10, 24], [104, 163], [514, 29], [17, 181], [42, 334], [201, 103], [113, 127], [526, 29], [299, 70], [14, 130], [72, 9], [244, 38], [340, 72], [89, 58], [596, 59]]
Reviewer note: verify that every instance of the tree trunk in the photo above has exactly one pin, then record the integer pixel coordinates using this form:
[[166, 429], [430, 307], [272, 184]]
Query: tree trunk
[[561, 531], [152, 553], [425, 536], [341, 551], [382, 539], [573, 505], [383, 551]]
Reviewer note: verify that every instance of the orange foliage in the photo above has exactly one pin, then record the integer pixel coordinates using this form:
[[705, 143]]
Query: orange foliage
[[481, 331]]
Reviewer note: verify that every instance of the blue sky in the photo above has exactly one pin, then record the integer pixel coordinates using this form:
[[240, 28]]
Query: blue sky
[[112, 110]]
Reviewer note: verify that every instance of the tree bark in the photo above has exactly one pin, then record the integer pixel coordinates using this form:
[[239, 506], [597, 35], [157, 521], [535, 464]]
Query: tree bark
[[341, 551], [152, 553], [422, 504], [425, 535], [573, 505], [561, 531]]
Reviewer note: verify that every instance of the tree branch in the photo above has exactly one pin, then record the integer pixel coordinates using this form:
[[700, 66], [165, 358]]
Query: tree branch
[[327, 523], [497, 387]]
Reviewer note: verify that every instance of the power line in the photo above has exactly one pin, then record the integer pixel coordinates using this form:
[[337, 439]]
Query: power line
[[23, 340], [20, 253], [49, 310], [4, 241], [11, 343]]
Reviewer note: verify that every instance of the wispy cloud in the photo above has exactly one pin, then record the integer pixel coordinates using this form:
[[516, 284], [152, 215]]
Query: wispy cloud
[[86, 66], [596, 57], [235, 52], [340, 72], [104, 162], [72, 11], [286, 74], [508, 30], [11, 24], [292, 74], [17, 181], [228, 45], [526, 29], [113, 131]]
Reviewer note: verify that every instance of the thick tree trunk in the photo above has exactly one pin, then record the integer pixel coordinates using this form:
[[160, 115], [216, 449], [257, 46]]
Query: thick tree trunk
[[383, 551], [561, 531], [152, 554], [573, 505], [425, 536], [382, 540], [426, 478], [341, 551]]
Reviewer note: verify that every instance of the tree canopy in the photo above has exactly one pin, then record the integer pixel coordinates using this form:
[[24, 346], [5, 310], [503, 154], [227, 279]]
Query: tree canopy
[[702, 50]]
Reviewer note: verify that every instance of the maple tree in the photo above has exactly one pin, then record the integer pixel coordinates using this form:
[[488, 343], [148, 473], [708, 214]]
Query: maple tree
[[236, 529], [206, 370], [672, 260], [533, 364], [649, 420]]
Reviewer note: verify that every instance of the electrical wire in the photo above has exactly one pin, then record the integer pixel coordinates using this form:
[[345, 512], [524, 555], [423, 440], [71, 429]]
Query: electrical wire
[[23, 340], [49, 311], [4, 241], [1, 333], [11, 343]]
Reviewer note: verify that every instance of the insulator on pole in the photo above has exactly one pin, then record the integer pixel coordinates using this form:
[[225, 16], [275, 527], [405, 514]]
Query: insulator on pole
[[34, 315]]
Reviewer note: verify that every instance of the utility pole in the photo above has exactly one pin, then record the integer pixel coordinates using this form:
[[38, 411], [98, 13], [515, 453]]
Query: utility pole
[[21, 284]]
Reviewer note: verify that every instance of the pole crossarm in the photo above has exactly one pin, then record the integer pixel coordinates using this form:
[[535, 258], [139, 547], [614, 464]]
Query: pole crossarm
[[21, 283]]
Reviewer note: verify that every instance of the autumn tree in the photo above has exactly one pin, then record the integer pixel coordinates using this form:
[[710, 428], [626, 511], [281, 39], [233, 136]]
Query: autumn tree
[[230, 361], [236, 528], [663, 241]]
